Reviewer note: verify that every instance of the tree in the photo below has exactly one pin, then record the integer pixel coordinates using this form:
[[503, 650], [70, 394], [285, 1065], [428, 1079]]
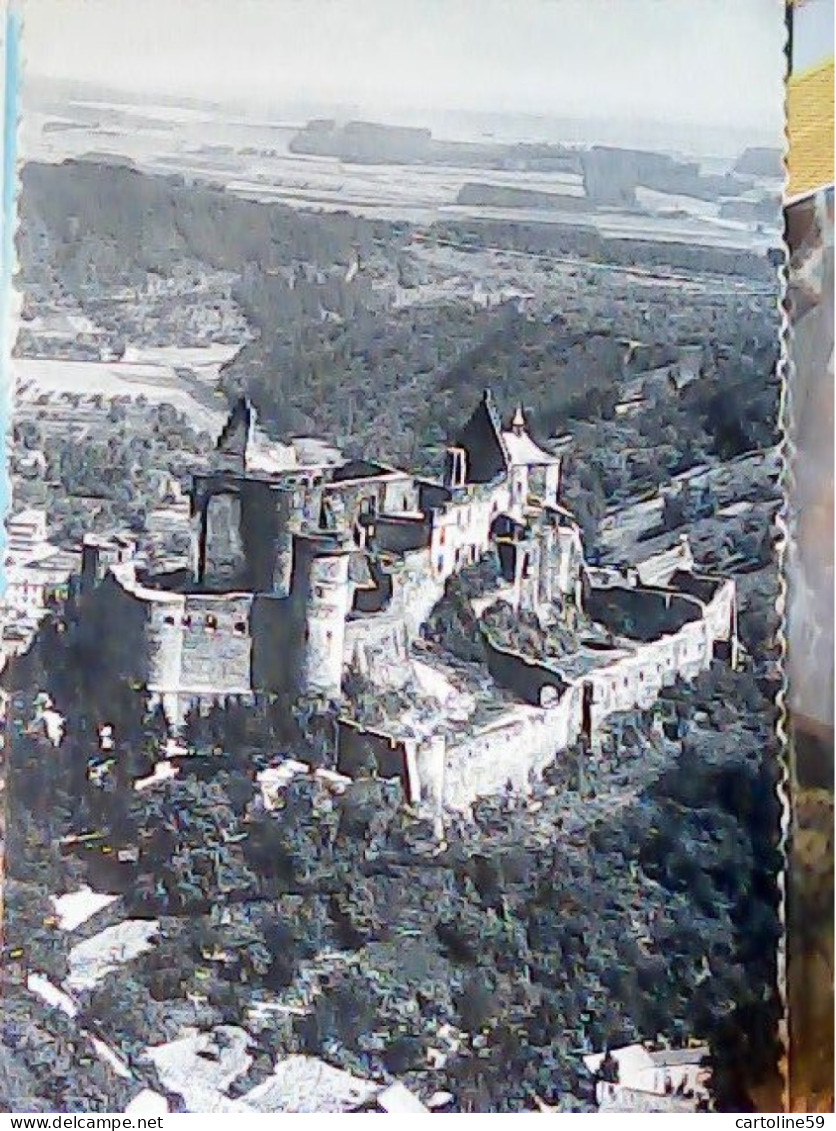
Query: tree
[[191, 837]]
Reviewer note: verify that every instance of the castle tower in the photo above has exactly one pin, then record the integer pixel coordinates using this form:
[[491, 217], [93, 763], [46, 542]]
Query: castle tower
[[236, 437], [527, 568], [287, 508], [98, 555], [320, 598]]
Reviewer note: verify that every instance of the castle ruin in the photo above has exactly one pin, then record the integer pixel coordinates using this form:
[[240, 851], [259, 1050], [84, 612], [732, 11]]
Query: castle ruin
[[298, 577]]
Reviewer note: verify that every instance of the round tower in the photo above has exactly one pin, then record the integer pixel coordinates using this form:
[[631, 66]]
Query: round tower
[[288, 519], [321, 600]]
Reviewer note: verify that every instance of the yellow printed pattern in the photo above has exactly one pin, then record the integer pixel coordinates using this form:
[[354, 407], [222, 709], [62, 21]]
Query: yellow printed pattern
[[810, 130]]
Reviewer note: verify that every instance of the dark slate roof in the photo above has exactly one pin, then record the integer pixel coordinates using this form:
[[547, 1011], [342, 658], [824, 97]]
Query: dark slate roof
[[482, 440]]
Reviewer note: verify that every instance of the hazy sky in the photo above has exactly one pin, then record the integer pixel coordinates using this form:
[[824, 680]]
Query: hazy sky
[[715, 62]]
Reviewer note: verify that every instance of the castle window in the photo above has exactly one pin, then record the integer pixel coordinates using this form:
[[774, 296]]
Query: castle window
[[240, 627], [211, 622], [169, 620], [319, 591], [187, 621], [441, 536], [440, 563]]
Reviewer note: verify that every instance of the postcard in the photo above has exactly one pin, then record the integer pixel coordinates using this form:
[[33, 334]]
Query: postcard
[[391, 635]]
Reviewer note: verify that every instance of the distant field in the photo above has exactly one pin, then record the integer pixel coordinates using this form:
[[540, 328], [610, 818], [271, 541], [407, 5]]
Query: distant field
[[150, 374], [252, 159]]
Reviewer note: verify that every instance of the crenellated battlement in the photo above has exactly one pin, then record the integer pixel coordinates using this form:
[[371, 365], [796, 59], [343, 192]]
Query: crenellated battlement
[[298, 575]]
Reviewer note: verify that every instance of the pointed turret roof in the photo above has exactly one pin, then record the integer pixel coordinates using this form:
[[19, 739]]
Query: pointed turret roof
[[522, 451], [481, 438]]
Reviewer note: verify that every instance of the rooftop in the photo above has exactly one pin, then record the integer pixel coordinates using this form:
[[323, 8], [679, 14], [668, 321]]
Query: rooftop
[[523, 452], [76, 907], [29, 517], [47, 559], [306, 1084]]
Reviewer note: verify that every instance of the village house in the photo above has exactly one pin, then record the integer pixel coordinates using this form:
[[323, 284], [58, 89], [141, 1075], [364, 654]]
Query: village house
[[36, 572]]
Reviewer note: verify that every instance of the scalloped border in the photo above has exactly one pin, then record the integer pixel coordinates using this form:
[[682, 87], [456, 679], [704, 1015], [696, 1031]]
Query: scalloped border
[[12, 75], [10, 301]]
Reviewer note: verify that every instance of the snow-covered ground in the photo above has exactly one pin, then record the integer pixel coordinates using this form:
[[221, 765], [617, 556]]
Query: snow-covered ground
[[201, 1067], [156, 381], [275, 779], [204, 361], [112, 1059], [56, 998]]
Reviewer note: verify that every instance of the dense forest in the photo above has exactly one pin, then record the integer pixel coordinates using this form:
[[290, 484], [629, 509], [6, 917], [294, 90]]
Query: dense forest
[[328, 352], [573, 923], [637, 894]]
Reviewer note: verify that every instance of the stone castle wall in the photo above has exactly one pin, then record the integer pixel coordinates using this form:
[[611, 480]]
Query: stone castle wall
[[641, 614], [201, 645], [721, 612], [383, 494], [223, 556], [318, 606], [165, 640], [508, 753], [364, 750], [187, 647], [417, 589], [461, 529], [530, 680], [378, 647], [461, 535], [216, 645], [659, 568], [242, 530], [402, 534], [452, 771], [204, 646]]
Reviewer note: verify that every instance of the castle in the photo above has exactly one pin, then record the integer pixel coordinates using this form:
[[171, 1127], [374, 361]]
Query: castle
[[298, 576]]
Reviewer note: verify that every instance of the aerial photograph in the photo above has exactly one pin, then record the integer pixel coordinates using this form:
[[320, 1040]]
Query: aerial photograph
[[390, 632]]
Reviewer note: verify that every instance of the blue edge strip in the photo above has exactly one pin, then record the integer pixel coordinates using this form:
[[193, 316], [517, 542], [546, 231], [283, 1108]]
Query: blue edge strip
[[11, 89]]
